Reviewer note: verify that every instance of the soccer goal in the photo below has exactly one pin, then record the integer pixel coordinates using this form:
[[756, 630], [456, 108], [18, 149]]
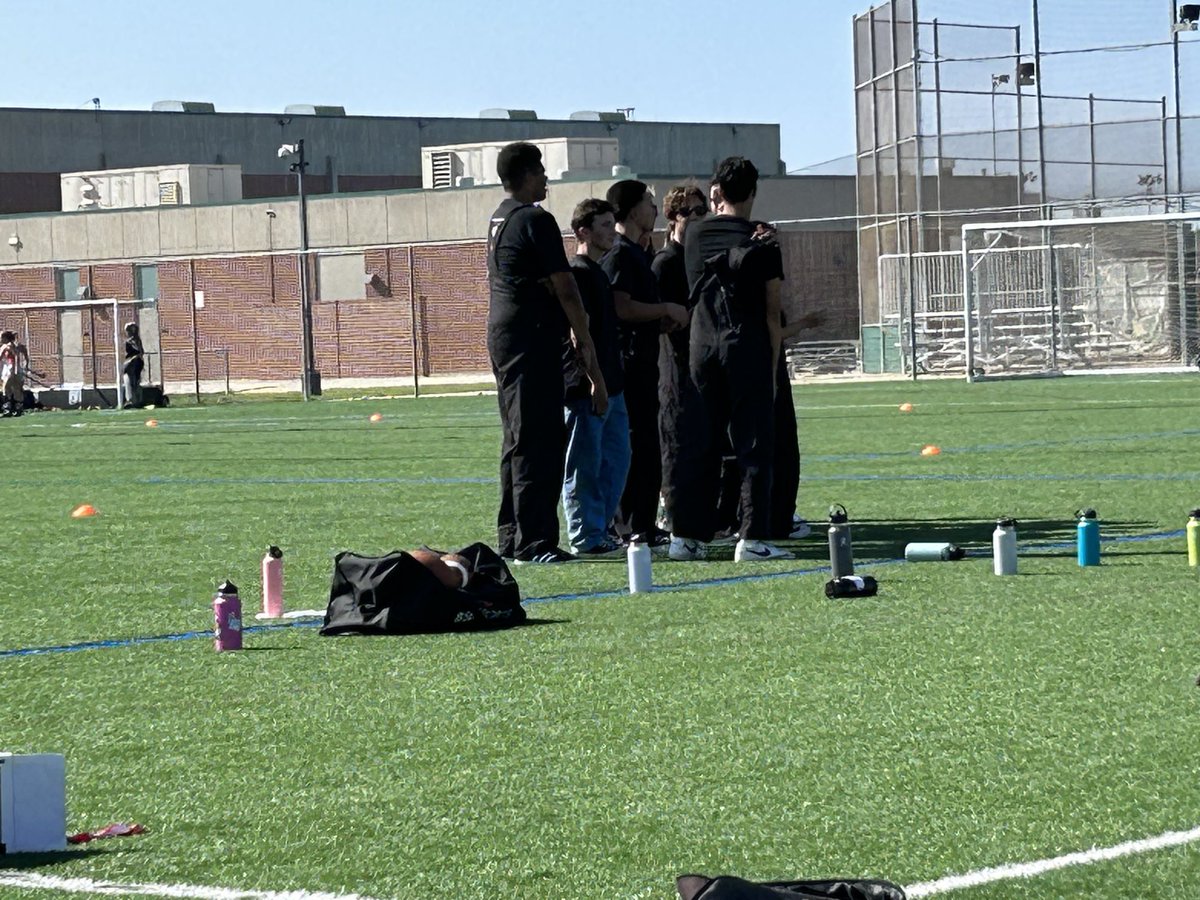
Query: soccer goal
[[78, 346], [1075, 296]]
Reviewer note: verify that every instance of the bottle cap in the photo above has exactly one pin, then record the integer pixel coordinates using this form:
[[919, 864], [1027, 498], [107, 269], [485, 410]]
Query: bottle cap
[[274, 552], [1006, 521], [1195, 514], [955, 552], [1086, 513], [227, 587], [838, 514]]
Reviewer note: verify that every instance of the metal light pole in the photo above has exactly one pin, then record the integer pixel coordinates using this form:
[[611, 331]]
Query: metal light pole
[[310, 379], [997, 80]]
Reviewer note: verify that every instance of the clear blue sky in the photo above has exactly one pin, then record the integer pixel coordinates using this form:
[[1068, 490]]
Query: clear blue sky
[[783, 61]]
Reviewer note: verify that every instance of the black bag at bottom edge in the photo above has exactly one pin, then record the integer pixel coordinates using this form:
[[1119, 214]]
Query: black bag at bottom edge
[[396, 594], [727, 887]]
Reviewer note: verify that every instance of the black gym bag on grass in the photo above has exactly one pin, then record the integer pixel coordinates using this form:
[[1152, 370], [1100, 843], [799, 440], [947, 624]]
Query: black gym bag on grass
[[396, 594], [727, 887]]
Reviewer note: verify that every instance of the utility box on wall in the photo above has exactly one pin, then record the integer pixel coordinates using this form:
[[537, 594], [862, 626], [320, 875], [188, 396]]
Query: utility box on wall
[[575, 158], [33, 803], [182, 185]]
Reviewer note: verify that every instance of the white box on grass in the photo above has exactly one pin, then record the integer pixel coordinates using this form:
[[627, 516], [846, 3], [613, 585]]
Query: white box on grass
[[33, 803]]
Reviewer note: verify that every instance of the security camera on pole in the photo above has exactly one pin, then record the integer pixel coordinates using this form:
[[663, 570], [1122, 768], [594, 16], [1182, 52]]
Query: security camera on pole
[[310, 379]]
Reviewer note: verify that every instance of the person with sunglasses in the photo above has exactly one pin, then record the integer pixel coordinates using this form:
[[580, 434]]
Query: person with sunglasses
[[682, 204]]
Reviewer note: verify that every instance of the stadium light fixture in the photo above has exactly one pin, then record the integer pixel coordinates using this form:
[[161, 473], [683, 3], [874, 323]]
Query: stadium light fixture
[[1026, 73], [1189, 18]]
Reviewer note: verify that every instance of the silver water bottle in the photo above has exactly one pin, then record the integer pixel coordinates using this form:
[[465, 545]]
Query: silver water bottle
[[841, 554]]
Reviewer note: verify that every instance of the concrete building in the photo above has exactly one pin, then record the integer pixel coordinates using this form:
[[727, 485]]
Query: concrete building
[[347, 153]]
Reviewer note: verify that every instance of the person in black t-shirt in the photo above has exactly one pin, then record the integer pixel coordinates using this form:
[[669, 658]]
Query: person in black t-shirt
[[597, 445], [682, 205], [534, 301], [642, 317], [736, 278]]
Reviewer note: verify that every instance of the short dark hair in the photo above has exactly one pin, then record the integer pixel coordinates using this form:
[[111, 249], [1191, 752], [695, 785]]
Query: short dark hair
[[586, 212], [737, 178], [6, 336], [625, 195], [515, 162]]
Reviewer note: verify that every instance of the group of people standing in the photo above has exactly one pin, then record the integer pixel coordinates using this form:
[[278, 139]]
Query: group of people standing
[[627, 377]]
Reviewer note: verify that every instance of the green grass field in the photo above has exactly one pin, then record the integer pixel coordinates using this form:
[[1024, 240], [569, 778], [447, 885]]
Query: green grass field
[[954, 722]]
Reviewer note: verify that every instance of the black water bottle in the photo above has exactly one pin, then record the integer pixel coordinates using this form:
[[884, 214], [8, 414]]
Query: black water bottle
[[841, 554]]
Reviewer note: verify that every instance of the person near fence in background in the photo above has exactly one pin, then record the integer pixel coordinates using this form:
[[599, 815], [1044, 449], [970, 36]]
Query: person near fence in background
[[12, 383], [735, 274], [682, 204], [533, 302], [597, 445], [134, 365], [642, 317]]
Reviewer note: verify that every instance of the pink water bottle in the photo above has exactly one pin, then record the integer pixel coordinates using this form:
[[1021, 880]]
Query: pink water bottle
[[227, 618], [272, 583]]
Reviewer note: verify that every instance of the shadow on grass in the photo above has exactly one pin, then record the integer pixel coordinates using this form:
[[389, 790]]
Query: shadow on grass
[[532, 621], [57, 857]]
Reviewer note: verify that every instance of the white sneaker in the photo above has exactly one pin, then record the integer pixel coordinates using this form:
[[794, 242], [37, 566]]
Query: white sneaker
[[684, 549], [800, 529], [752, 551]]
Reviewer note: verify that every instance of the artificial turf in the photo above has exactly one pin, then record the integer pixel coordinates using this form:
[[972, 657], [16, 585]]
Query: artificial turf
[[953, 722]]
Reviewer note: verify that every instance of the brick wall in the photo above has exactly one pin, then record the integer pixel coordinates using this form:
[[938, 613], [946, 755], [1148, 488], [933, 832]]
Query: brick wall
[[252, 309]]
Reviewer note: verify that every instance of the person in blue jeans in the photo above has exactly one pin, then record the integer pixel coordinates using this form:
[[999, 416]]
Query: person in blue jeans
[[597, 445]]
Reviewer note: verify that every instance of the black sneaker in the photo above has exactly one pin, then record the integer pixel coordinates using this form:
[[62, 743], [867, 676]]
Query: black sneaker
[[602, 550], [546, 557], [654, 538]]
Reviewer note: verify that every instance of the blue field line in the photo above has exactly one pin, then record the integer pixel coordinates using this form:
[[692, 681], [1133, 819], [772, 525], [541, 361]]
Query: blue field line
[[558, 598], [284, 479], [1174, 476], [1024, 445]]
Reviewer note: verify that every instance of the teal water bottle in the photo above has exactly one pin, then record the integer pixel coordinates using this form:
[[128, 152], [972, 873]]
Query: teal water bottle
[[1087, 537]]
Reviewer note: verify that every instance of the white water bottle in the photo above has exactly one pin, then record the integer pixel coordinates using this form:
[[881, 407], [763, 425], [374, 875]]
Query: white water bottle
[[1004, 547], [639, 568]]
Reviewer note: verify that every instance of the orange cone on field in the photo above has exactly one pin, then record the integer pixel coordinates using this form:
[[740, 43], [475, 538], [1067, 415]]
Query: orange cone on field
[[376, 417], [83, 511], [930, 450], [152, 423], [906, 407]]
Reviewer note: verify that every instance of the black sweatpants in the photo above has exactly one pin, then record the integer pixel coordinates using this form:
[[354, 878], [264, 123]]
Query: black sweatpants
[[785, 479], [734, 382], [639, 502], [532, 454]]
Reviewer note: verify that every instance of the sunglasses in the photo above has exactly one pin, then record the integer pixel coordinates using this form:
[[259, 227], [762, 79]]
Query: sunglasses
[[689, 211]]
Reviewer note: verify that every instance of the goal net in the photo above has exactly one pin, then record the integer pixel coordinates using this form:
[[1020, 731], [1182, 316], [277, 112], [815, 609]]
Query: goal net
[[1071, 296], [78, 346]]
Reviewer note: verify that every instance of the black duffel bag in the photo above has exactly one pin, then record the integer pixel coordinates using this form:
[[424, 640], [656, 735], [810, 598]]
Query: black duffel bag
[[396, 594], [727, 887]]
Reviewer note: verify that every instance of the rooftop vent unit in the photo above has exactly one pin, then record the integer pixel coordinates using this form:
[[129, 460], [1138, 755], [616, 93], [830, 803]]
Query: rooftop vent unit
[[183, 106], [591, 115], [525, 115], [308, 109]]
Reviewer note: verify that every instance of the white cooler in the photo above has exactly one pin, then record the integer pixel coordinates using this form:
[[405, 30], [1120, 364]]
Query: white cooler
[[33, 803]]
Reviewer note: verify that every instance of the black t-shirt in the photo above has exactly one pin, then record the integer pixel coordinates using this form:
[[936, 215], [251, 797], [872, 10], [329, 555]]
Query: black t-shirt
[[628, 269], [715, 233], [756, 266], [672, 287], [602, 324], [524, 249]]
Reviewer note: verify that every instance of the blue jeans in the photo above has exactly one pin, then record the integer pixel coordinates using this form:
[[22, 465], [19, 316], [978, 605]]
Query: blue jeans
[[597, 463]]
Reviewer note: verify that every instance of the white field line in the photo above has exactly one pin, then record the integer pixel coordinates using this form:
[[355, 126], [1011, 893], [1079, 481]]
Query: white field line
[[31, 881], [1041, 866]]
